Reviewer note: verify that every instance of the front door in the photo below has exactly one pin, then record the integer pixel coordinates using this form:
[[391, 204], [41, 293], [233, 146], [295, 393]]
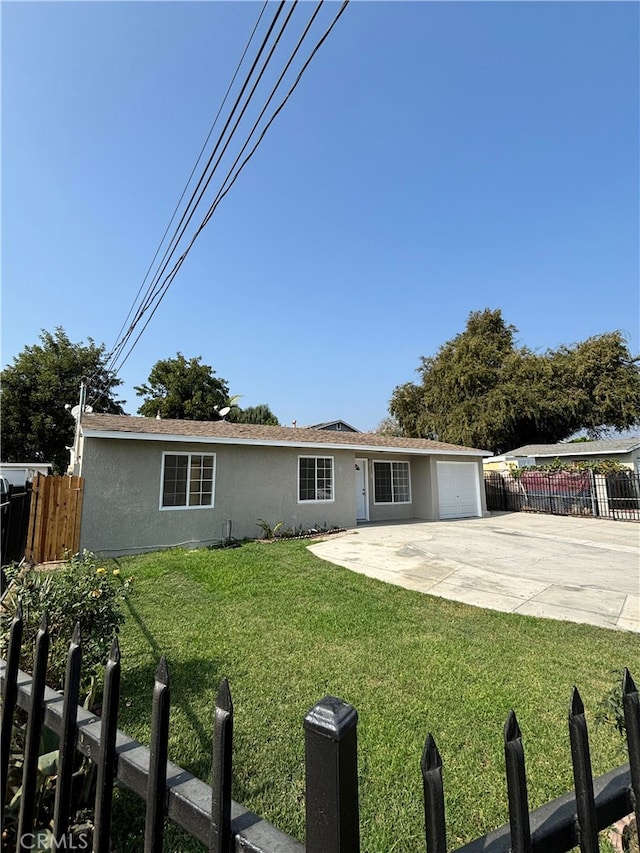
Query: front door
[[362, 490]]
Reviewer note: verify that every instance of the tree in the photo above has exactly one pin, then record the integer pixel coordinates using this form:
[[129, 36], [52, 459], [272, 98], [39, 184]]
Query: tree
[[260, 414], [183, 389], [43, 379], [482, 390]]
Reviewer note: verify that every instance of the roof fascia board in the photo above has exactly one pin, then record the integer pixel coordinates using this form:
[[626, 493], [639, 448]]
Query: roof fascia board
[[263, 442], [584, 453]]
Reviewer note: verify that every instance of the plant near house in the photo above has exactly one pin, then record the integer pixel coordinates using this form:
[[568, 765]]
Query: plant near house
[[269, 531], [80, 590]]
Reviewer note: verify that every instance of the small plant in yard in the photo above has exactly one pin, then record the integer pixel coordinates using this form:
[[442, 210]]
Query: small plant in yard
[[80, 590], [269, 531], [84, 591]]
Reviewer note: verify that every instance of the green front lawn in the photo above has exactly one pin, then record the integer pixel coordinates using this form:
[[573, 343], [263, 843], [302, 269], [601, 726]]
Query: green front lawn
[[287, 628]]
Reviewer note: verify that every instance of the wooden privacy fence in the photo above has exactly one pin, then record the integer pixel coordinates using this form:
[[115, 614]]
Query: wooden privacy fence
[[332, 811], [54, 521]]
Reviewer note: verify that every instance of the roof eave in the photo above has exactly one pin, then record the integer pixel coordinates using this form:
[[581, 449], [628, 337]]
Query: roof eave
[[263, 442]]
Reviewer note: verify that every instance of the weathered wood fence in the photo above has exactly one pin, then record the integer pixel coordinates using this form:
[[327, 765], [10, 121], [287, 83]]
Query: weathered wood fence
[[54, 521], [332, 811]]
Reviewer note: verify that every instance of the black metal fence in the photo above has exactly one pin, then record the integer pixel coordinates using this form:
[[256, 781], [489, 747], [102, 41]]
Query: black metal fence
[[209, 814], [14, 513], [583, 493]]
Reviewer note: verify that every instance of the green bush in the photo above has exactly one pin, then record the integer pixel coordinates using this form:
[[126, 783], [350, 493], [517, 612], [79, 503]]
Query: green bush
[[81, 590]]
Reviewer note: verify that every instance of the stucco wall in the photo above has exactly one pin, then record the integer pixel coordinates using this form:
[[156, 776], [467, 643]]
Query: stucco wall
[[121, 512]]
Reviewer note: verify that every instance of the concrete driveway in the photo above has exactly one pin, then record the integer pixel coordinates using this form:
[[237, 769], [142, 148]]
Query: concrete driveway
[[577, 569]]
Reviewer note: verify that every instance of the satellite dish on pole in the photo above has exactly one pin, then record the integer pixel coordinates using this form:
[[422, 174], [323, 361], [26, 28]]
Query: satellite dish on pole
[[75, 411], [224, 412]]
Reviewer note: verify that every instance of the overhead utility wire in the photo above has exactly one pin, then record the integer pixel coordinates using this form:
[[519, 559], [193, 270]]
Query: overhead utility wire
[[159, 293], [173, 242], [195, 166], [222, 193]]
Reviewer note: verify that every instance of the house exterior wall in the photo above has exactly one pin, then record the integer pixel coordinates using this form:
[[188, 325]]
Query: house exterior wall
[[123, 480], [121, 509]]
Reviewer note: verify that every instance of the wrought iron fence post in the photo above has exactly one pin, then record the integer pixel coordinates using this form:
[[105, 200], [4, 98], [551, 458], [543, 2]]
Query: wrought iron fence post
[[583, 778], [516, 786], [107, 755], [34, 729], [434, 819], [221, 771], [331, 756], [157, 780], [631, 705], [9, 696], [68, 735]]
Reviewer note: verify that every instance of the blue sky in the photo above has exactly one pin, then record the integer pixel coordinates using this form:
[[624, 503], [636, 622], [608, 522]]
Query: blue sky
[[437, 158]]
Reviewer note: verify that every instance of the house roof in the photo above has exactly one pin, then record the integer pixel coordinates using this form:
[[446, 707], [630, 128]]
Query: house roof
[[224, 432], [578, 448], [327, 424]]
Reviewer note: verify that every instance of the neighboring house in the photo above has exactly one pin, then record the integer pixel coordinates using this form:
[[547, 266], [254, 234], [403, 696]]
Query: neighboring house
[[152, 484], [626, 451], [337, 426], [18, 474]]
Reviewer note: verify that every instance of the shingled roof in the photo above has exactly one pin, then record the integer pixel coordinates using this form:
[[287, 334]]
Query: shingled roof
[[578, 448], [225, 432]]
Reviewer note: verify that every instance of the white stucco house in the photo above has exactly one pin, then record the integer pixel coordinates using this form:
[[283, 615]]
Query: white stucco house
[[151, 484], [626, 451]]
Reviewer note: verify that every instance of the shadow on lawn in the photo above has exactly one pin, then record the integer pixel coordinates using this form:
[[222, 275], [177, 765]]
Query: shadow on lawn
[[189, 681]]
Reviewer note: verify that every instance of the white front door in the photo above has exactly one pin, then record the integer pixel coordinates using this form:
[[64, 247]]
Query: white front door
[[458, 489], [362, 490]]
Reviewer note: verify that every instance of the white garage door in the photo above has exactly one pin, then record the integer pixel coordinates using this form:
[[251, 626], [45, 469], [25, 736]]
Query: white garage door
[[458, 489]]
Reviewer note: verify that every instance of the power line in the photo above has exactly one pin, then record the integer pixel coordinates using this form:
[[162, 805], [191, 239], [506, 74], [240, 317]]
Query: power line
[[158, 288]]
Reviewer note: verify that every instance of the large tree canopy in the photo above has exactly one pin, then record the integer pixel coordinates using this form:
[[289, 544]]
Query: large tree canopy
[[482, 390], [260, 414], [178, 388], [43, 379]]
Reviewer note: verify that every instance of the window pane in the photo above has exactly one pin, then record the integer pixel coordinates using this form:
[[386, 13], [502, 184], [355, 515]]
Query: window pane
[[201, 480], [324, 490], [174, 489], [382, 482], [315, 479], [307, 479], [401, 482]]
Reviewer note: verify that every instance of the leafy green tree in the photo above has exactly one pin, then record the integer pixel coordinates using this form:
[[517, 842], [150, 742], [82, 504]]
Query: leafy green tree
[[482, 390], [260, 414], [36, 388], [178, 388]]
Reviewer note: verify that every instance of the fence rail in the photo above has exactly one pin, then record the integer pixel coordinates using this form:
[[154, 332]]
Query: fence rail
[[208, 813], [54, 521], [583, 493]]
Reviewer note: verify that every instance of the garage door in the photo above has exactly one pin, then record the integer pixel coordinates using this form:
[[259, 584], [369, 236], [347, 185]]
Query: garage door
[[458, 489]]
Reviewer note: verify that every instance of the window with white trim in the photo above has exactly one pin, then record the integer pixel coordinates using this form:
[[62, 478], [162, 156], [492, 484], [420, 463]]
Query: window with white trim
[[187, 480], [391, 484], [315, 478]]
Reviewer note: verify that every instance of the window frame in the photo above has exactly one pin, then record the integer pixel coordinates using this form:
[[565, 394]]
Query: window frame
[[391, 463], [189, 454], [316, 500]]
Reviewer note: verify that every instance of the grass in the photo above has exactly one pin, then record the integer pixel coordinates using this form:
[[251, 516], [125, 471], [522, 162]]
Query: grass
[[286, 628]]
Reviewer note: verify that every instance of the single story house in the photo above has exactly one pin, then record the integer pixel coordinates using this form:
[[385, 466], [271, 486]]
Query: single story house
[[626, 451], [151, 484]]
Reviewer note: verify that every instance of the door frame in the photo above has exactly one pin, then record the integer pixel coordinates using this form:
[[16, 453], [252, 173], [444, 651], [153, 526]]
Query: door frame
[[362, 466]]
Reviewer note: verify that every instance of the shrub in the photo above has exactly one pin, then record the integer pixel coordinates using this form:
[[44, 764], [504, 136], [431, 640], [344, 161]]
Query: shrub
[[80, 590]]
